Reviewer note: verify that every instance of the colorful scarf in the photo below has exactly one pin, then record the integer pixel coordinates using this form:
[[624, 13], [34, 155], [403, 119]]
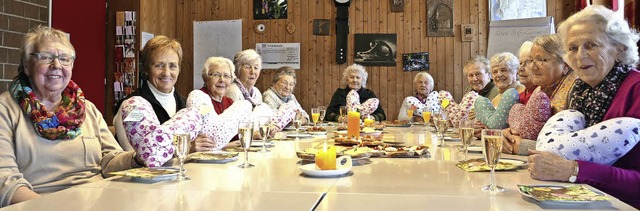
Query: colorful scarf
[[64, 122], [594, 102], [245, 92]]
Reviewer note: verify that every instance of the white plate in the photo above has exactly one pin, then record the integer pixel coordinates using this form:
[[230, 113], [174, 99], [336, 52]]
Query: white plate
[[477, 149], [256, 143], [299, 135], [214, 160], [312, 171], [558, 202], [318, 133], [515, 162], [292, 128], [374, 133]]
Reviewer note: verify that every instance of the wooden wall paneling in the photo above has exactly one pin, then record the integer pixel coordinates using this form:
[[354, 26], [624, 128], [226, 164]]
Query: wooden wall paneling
[[391, 77], [384, 73], [457, 57], [416, 46], [329, 76], [374, 72]]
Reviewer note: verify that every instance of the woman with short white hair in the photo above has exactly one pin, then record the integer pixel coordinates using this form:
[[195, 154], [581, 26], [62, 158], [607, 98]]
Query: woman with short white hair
[[504, 71], [423, 86], [354, 81]]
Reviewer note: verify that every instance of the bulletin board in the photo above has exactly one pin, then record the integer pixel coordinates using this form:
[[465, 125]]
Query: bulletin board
[[214, 38]]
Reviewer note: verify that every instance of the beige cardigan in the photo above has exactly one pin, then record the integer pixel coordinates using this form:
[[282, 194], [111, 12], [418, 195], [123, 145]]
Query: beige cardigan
[[43, 165]]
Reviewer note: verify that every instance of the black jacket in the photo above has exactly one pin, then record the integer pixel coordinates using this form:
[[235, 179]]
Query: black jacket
[[340, 99], [145, 92]]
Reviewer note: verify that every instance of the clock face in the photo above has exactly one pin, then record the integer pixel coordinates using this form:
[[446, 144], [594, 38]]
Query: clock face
[[342, 1]]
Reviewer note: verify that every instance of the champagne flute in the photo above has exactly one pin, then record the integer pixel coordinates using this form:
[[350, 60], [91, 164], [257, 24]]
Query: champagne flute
[[323, 112], [181, 148], [245, 134], [465, 128], [297, 123], [264, 132], [442, 124], [410, 115], [426, 116], [315, 115], [491, 149], [343, 114]]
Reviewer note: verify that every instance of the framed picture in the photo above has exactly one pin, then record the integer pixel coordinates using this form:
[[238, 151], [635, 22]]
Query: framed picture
[[375, 49], [415, 61], [397, 5], [269, 9], [517, 9], [321, 27], [440, 18]]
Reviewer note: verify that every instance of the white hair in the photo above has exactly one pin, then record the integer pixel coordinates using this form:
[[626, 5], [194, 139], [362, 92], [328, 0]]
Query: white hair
[[354, 68]]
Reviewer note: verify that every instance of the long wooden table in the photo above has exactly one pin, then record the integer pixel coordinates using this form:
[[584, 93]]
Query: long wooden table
[[276, 183]]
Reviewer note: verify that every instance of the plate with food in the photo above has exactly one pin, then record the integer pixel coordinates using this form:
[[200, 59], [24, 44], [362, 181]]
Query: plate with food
[[561, 194], [213, 157], [149, 174], [299, 135], [312, 170], [405, 152], [316, 130], [259, 143], [292, 128], [397, 123], [479, 164]]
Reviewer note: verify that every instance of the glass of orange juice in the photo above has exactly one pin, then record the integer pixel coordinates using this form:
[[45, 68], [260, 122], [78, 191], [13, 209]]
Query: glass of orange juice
[[410, 115], [315, 115], [353, 123], [368, 121], [426, 116]]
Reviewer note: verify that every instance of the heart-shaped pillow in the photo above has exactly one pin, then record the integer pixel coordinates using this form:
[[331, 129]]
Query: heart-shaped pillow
[[280, 117], [603, 143], [434, 99], [496, 118], [456, 111], [528, 119], [152, 141], [219, 128], [366, 108]]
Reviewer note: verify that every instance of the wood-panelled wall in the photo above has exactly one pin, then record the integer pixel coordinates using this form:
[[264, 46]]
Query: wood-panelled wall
[[319, 75]]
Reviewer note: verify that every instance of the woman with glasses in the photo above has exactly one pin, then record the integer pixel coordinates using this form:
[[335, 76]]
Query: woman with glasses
[[281, 91], [553, 76], [52, 138]]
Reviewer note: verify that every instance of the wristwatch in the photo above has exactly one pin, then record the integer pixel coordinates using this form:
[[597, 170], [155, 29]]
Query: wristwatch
[[574, 175], [342, 30]]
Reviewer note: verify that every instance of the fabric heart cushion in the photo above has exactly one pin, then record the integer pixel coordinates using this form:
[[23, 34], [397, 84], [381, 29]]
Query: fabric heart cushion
[[430, 104], [456, 111], [279, 118], [603, 143], [496, 118], [528, 119], [365, 108]]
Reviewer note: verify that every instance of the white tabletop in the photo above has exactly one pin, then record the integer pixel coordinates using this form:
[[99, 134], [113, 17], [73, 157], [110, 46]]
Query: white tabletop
[[276, 183]]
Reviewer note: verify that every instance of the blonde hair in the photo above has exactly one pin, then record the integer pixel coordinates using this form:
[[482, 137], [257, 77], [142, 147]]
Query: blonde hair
[[156, 45]]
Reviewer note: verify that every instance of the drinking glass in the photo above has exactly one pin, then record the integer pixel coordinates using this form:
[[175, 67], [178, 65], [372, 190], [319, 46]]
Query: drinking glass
[[343, 114], [442, 124], [491, 149], [315, 115], [323, 112], [426, 116], [465, 128], [245, 134], [297, 123], [410, 115], [181, 148], [264, 131]]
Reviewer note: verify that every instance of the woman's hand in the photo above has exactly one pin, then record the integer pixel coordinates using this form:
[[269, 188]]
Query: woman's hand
[[510, 141], [550, 166], [203, 143], [477, 128]]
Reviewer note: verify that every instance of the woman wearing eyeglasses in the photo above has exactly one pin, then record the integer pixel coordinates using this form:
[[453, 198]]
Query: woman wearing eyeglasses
[[281, 91], [51, 137]]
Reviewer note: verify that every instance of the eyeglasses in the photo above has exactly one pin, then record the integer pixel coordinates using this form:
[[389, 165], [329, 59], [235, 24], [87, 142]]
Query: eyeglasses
[[219, 75], [284, 83], [162, 66], [255, 67], [540, 61], [47, 58]]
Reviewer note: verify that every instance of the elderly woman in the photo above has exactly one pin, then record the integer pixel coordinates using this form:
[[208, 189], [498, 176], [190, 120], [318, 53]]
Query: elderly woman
[[554, 78], [66, 142], [161, 58], [525, 74], [504, 71], [479, 77], [354, 78], [281, 91], [248, 66], [602, 49], [423, 85]]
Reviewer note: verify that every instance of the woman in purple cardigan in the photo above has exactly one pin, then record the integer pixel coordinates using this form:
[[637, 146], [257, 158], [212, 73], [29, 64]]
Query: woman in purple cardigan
[[601, 48]]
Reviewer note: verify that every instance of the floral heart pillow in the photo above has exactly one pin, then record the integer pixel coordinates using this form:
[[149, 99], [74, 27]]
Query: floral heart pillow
[[430, 104], [602, 143], [528, 119], [456, 111], [496, 118], [366, 108]]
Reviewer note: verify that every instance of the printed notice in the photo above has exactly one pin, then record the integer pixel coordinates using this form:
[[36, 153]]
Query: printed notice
[[276, 55]]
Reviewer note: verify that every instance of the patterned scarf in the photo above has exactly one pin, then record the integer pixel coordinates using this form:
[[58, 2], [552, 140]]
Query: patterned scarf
[[245, 92], [64, 122], [284, 99], [594, 102]]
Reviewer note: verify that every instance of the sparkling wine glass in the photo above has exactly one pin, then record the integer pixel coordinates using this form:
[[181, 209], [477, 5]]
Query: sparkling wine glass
[[297, 123], [245, 134], [315, 116], [491, 149], [442, 125], [465, 128], [181, 148], [264, 128], [323, 112], [343, 114]]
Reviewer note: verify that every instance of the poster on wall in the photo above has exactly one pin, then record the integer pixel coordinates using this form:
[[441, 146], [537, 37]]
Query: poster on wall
[[415, 61], [517, 9], [375, 49], [269, 9], [214, 38], [276, 55]]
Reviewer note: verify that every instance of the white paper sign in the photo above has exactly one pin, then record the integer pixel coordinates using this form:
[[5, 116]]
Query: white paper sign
[[134, 116], [276, 55], [146, 36]]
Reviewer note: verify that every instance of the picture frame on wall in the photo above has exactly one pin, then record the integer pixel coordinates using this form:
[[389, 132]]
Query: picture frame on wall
[[375, 49], [397, 5], [415, 61], [517, 9], [270, 9], [440, 18]]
